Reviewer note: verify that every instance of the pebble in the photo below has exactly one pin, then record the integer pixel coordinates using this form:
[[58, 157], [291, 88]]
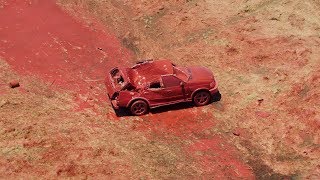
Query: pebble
[[14, 84], [260, 101], [236, 132]]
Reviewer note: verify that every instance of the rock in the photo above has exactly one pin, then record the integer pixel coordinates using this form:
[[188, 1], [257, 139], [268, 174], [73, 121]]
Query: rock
[[265, 78], [184, 18], [236, 132], [161, 8], [260, 101], [14, 84], [274, 19]]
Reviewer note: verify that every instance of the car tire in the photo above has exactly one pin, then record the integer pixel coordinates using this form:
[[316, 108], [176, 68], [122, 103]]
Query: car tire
[[201, 98], [139, 108]]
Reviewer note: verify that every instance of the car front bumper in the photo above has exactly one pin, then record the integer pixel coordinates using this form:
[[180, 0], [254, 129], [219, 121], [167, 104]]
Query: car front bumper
[[215, 95], [214, 91]]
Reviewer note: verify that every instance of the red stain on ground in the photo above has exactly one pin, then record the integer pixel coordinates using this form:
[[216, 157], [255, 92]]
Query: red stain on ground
[[38, 38], [262, 114], [218, 159], [181, 123]]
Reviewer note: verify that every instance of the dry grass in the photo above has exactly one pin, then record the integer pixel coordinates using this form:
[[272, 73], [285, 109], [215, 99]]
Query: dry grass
[[258, 50], [41, 135]]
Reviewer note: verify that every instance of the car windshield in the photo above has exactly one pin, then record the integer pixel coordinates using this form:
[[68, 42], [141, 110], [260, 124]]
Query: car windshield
[[182, 73]]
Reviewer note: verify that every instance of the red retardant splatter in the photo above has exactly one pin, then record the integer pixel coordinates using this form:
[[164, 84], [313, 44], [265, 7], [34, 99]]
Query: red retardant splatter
[[219, 160], [39, 38]]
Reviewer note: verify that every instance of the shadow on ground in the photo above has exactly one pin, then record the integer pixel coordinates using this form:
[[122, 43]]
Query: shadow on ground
[[123, 112]]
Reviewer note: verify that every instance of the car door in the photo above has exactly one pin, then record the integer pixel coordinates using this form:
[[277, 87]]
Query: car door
[[172, 88], [155, 93]]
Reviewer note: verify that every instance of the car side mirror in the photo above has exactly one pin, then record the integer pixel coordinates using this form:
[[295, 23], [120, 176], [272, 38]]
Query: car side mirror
[[182, 84]]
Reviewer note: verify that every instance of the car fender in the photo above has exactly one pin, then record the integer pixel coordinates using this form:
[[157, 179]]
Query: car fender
[[138, 98]]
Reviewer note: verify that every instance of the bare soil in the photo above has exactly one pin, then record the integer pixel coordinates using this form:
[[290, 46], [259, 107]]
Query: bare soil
[[58, 123]]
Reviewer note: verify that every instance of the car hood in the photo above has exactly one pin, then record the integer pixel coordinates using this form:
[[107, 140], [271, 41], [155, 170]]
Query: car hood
[[114, 87], [201, 74]]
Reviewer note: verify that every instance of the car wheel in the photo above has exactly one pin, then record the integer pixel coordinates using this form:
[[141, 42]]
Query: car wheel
[[139, 108], [201, 98]]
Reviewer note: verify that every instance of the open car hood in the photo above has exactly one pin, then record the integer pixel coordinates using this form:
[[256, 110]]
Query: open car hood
[[116, 80]]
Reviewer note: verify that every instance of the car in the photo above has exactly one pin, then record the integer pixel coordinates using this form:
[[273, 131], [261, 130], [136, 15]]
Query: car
[[153, 83]]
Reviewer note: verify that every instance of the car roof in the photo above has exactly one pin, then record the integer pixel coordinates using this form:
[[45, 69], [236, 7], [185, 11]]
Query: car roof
[[149, 71]]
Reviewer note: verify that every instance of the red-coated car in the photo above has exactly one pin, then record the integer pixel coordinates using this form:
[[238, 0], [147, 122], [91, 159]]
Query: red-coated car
[[151, 84]]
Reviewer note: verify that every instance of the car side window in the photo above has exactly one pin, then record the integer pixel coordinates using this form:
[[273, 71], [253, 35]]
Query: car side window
[[155, 85], [170, 81]]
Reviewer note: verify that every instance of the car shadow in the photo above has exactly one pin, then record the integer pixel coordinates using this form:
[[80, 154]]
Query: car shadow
[[123, 112], [173, 107]]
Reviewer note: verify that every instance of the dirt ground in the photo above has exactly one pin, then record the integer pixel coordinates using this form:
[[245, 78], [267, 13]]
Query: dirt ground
[[265, 54]]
